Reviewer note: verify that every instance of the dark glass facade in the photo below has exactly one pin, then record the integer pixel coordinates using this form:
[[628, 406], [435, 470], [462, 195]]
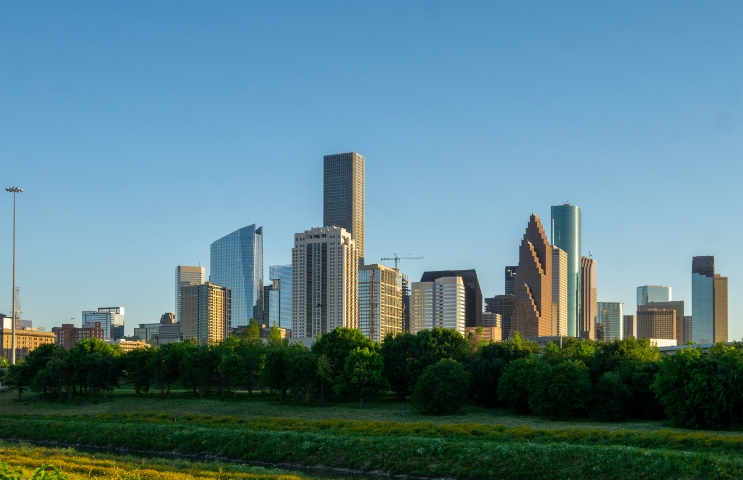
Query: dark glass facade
[[510, 275], [236, 262], [566, 235]]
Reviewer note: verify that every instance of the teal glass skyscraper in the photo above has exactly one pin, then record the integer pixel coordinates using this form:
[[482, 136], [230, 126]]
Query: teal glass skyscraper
[[566, 235], [236, 262]]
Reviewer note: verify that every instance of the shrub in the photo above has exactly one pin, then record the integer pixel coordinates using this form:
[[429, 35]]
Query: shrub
[[516, 383], [441, 389], [610, 399], [362, 375], [562, 391]]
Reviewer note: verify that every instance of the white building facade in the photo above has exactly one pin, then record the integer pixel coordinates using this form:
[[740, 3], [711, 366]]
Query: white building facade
[[559, 292], [325, 264], [437, 304]]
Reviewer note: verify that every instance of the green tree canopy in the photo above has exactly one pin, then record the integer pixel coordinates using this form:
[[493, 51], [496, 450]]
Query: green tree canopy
[[362, 375], [337, 344], [442, 388]]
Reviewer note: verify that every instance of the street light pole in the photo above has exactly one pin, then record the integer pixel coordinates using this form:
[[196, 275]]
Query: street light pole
[[14, 191]]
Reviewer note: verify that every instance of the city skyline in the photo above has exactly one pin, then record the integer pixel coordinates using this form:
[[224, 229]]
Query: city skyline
[[142, 144]]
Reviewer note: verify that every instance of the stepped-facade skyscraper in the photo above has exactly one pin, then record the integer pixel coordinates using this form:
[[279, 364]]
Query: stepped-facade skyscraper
[[566, 235], [533, 285], [236, 262], [343, 195], [709, 302]]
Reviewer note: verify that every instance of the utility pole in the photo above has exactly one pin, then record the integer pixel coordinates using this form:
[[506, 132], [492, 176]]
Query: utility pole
[[14, 191]]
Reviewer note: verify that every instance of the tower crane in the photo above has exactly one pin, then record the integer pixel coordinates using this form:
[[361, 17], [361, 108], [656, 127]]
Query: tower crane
[[404, 256]]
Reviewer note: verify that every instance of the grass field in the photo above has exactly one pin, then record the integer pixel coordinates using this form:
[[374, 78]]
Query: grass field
[[264, 405], [25, 458]]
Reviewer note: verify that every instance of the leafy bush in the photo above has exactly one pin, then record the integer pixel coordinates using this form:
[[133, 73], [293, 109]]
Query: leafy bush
[[562, 391], [610, 398], [517, 382], [442, 388], [362, 375]]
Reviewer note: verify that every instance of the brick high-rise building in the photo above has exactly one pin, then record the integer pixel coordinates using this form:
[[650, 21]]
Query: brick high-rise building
[[68, 334], [533, 286], [654, 323], [678, 306]]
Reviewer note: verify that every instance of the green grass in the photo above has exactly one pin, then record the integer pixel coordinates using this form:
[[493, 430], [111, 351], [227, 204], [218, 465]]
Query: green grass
[[458, 451], [264, 405]]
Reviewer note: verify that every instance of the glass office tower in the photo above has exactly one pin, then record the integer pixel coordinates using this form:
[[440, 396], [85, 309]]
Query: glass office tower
[[236, 262], [566, 235], [610, 319], [653, 293], [709, 302], [280, 296]]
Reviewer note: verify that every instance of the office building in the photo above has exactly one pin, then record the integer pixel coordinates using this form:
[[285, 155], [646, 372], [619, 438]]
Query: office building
[[610, 321], [630, 326], [236, 262], [533, 287], [504, 306], [559, 292], [68, 334], [279, 299], [325, 265], [510, 278], [566, 235], [405, 303], [128, 344], [440, 303], [473, 294], [343, 195], [492, 324], [687, 329], [676, 306], [380, 301], [709, 302], [206, 313], [654, 323], [185, 276], [26, 340], [653, 293], [169, 330], [147, 332], [588, 279], [111, 320]]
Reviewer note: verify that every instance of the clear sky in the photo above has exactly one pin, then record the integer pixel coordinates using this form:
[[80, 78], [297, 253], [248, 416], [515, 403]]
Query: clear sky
[[143, 131]]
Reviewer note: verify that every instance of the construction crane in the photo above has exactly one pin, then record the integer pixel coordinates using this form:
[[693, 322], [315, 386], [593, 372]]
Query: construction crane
[[397, 259]]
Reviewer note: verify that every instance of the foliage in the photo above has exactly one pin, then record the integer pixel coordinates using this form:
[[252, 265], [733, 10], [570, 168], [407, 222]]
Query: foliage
[[432, 346], [562, 391], [362, 375], [276, 371], [442, 388], [304, 372], [136, 368], [397, 354], [611, 398], [517, 382], [338, 344]]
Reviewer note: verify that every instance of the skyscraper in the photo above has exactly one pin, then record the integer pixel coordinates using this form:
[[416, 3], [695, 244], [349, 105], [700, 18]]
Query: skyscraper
[[473, 294], [566, 235], [111, 320], [533, 286], [380, 301], [610, 319], [510, 275], [236, 262], [678, 307], [588, 279], [343, 195], [405, 303], [709, 302], [503, 305], [325, 292], [630, 327], [653, 293], [186, 276], [439, 303], [654, 323], [206, 313], [280, 296], [559, 292]]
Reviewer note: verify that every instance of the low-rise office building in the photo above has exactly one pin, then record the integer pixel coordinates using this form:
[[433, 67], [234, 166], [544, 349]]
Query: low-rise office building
[[26, 340], [68, 334]]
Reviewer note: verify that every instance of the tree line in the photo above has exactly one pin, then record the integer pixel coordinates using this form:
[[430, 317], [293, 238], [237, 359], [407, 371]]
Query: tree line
[[437, 369]]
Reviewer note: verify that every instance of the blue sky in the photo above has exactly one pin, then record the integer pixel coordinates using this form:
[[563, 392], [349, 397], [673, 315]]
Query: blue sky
[[142, 132]]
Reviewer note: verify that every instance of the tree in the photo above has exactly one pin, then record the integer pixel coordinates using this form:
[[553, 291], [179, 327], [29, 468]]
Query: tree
[[34, 364], [276, 370], [163, 365], [136, 368], [253, 332], [325, 374], [362, 375], [397, 355], [561, 391], [337, 344], [611, 397], [274, 338], [15, 378], [516, 383], [442, 388], [96, 366], [197, 368], [303, 372], [432, 346], [488, 363], [252, 353]]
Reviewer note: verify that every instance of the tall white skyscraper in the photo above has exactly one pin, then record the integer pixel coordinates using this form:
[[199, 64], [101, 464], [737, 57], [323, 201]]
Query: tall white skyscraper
[[186, 276], [438, 304], [343, 195], [559, 292], [325, 265]]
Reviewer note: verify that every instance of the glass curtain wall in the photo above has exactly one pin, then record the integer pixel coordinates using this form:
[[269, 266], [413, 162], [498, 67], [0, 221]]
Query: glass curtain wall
[[566, 235]]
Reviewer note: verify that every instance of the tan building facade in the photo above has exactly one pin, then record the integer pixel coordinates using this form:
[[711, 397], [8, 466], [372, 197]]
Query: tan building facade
[[186, 276], [721, 308], [207, 310], [325, 269], [26, 340], [559, 292], [654, 323], [380, 301], [129, 345], [343, 195], [589, 291], [533, 283], [438, 304], [630, 326], [678, 307]]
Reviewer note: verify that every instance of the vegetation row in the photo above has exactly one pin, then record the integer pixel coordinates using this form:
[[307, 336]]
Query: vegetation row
[[437, 369]]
